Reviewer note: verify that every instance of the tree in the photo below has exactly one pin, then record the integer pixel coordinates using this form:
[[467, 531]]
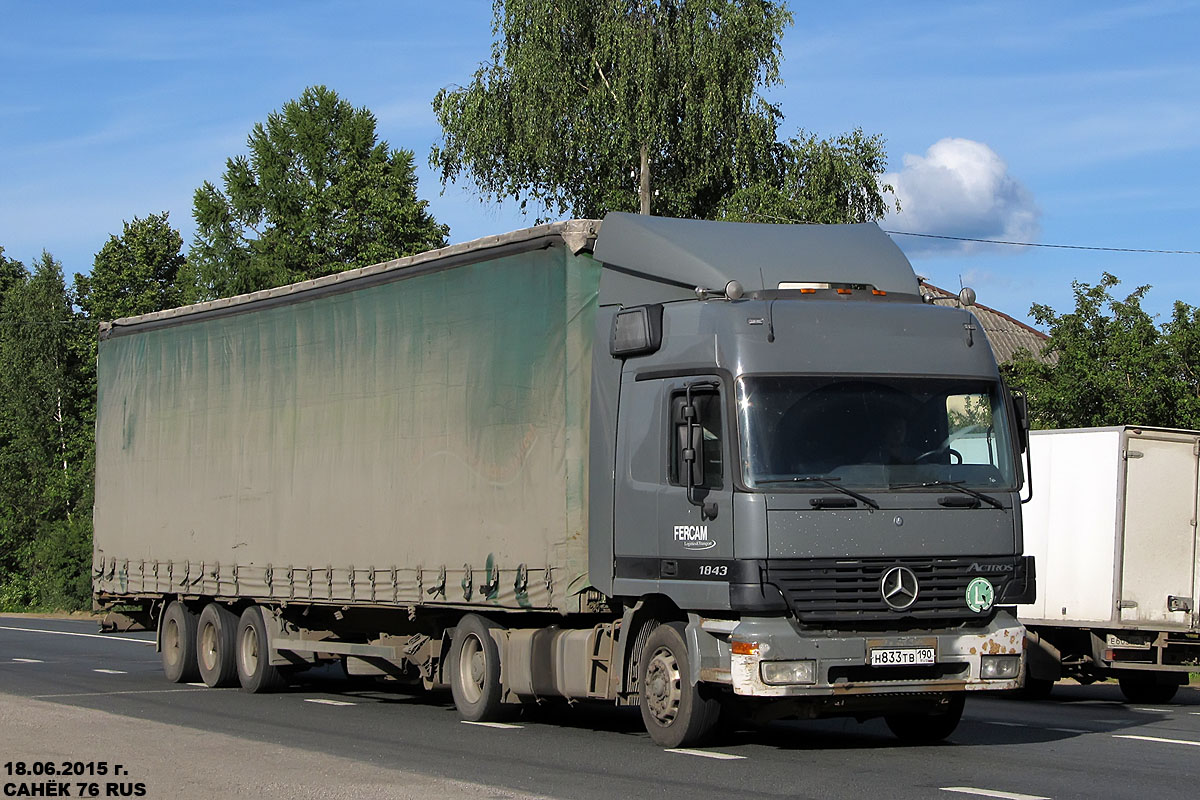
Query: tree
[[582, 103], [317, 194], [1108, 363], [47, 409], [134, 273], [815, 180]]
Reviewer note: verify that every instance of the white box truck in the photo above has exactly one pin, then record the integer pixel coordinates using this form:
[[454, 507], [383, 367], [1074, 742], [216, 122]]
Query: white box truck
[[1112, 526]]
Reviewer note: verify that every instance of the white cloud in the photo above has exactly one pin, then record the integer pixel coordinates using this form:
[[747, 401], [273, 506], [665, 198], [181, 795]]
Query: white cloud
[[960, 188]]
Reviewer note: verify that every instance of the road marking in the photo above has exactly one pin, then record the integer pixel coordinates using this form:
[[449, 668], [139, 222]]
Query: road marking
[[1070, 730], [324, 702], [111, 671], [1155, 739], [504, 725], [1006, 724], [29, 661], [201, 684], [86, 635], [993, 793], [106, 694], [1194, 713], [1154, 710], [705, 754]]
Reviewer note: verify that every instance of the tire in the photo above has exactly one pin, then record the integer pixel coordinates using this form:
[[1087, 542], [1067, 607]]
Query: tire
[[474, 665], [177, 643], [1145, 689], [255, 672], [1036, 689], [927, 728], [216, 636], [674, 710]]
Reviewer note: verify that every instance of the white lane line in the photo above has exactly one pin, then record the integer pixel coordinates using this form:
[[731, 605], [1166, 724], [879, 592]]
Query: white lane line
[[1070, 730], [106, 694], [705, 754], [1154, 710], [327, 702], [1194, 713], [201, 684], [993, 793], [504, 725], [1155, 739], [1006, 724], [111, 671], [86, 635], [29, 661]]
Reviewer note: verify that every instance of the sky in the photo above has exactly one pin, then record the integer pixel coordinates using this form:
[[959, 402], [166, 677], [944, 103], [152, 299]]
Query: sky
[[1063, 123]]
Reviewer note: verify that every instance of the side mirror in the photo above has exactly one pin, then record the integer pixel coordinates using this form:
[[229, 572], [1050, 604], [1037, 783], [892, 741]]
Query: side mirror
[[1021, 409], [692, 450]]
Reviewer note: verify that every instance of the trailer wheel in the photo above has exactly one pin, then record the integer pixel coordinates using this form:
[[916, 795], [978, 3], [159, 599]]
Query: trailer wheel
[[475, 670], [927, 728], [1145, 689], [254, 669], [216, 645], [177, 643], [674, 710]]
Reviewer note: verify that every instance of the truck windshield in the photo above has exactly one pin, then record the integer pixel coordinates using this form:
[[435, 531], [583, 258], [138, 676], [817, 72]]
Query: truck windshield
[[873, 432]]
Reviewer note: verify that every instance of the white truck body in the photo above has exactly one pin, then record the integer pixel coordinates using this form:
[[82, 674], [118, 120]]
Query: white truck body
[[1112, 526]]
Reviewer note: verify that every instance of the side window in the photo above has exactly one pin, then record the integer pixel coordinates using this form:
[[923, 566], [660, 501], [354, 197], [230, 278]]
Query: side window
[[709, 459], [971, 428]]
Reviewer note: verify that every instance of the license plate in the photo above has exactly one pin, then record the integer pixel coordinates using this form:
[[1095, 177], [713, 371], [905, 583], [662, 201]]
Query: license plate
[[903, 657]]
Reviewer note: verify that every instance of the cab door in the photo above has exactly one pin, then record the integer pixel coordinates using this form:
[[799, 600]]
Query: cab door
[[670, 537]]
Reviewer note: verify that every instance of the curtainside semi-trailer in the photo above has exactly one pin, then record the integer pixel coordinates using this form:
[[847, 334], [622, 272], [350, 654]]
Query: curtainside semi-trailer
[[690, 466]]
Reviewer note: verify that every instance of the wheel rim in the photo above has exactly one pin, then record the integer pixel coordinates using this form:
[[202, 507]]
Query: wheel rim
[[249, 651], [171, 643], [208, 647], [663, 690], [472, 669]]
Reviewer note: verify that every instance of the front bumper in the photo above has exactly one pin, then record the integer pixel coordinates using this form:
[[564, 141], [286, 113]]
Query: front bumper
[[843, 661]]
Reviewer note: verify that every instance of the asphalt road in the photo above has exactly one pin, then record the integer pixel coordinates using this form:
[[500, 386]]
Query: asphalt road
[[70, 694]]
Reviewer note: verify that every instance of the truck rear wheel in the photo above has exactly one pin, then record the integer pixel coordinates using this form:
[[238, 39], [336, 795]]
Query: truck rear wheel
[[216, 645], [255, 672], [475, 670], [674, 710], [1146, 689], [177, 643], [927, 728]]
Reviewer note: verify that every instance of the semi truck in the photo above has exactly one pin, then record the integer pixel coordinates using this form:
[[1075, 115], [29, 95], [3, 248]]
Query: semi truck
[[693, 467], [1113, 528]]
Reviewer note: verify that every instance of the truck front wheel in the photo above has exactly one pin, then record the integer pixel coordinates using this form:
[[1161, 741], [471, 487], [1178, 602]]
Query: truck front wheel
[[927, 728], [177, 643], [475, 670], [254, 668], [215, 646], [674, 710]]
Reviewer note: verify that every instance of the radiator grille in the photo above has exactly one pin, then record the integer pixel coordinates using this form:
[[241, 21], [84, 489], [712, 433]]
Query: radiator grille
[[846, 592]]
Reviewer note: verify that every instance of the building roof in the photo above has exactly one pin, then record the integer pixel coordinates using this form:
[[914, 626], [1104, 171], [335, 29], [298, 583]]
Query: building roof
[[1005, 334]]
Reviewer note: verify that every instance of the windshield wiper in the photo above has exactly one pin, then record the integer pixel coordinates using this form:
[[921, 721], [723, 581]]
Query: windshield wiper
[[826, 480], [956, 486]]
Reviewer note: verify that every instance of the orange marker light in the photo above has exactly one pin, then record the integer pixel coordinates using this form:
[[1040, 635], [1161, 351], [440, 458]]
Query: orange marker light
[[745, 648], [844, 291], [808, 291], [878, 293]]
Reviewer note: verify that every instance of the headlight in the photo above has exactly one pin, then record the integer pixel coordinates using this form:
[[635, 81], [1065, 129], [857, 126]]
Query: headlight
[[779, 673], [994, 668]]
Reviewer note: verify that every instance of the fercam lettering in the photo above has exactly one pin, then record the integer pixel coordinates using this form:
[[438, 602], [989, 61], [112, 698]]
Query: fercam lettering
[[694, 537]]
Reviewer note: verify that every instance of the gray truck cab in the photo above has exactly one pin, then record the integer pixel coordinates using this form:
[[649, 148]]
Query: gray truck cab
[[820, 469]]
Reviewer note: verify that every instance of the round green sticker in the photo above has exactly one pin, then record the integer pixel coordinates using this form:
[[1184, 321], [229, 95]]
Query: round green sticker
[[980, 595]]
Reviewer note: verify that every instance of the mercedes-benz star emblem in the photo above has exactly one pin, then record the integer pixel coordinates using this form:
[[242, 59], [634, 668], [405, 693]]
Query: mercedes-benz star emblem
[[899, 588]]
